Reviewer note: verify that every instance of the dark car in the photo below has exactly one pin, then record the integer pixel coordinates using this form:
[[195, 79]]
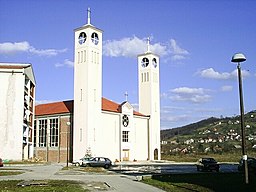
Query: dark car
[[98, 162], [251, 164], [207, 164], [1, 163]]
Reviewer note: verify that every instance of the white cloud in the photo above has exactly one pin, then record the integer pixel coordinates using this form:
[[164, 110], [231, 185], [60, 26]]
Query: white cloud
[[25, 47], [38, 102], [187, 90], [177, 51], [132, 46], [212, 74], [66, 63], [226, 88], [9, 48], [46, 52], [193, 95]]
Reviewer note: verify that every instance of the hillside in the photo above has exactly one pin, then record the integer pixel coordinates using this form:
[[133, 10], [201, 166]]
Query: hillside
[[210, 135]]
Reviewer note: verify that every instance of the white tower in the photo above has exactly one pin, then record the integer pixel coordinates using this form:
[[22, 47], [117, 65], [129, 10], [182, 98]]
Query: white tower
[[149, 97], [87, 88]]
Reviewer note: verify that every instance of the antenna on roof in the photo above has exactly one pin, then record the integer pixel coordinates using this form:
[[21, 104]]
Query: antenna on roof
[[89, 16], [148, 44], [126, 96]]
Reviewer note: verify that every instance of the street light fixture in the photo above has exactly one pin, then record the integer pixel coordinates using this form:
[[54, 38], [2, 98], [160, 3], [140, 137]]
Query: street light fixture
[[237, 58], [68, 126]]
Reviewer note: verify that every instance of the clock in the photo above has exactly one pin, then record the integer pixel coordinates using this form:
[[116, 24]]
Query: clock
[[125, 120], [82, 38], [95, 38], [154, 62], [144, 62]]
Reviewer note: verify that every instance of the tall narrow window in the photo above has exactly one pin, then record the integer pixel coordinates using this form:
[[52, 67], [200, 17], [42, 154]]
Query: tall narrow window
[[81, 94], [98, 58], [125, 136], [85, 56], [54, 132], [82, 56], [81, 135], [78, 57], [35, 137], [141, 77], [42, 132], [94, 94]]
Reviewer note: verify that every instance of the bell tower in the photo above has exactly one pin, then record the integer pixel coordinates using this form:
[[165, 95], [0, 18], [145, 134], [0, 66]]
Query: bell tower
[[87, 87], [149, 98]]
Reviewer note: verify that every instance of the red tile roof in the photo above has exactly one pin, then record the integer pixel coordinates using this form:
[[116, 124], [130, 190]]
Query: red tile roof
[[67, 107], [54, 108]]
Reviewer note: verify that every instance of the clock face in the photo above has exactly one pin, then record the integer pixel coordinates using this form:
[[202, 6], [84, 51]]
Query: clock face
[[144, 62], [95, 38], [154, 62], [125, 120], [82, 38]]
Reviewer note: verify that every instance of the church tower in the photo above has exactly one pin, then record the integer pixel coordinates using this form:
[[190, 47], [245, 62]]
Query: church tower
[[149, 98], [87, 88]]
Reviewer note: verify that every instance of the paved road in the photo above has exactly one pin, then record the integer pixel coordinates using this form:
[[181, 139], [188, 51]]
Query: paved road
[[110, 182], [121, 178]]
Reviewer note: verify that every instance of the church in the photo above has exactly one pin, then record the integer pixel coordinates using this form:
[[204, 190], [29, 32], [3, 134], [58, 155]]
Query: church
[[93, 125]]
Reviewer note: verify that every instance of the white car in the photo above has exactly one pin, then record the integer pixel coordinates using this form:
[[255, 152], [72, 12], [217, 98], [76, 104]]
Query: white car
[[79, 162]]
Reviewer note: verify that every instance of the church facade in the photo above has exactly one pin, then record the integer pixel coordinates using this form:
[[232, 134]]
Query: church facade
[[91, 124]]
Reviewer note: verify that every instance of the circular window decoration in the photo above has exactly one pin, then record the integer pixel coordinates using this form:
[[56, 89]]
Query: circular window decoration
[[82, 38], [144, 62], [95, 38], [125, 120], [154, 62]]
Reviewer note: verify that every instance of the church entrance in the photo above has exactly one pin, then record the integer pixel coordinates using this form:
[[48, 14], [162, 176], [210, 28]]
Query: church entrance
[[126, 154], [156, 154]]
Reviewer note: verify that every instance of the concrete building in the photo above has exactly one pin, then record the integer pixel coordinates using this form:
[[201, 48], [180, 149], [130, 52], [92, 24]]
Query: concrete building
[[17, 103], [99, 126]]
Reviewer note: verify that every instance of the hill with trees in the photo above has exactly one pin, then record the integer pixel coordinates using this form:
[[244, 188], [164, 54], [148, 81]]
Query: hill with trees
[[212, 135]]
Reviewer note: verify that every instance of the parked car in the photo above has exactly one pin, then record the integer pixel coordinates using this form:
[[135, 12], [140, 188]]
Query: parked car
[[1, 163], [207, 164], [98, 162], [251, 164], [79, 162]]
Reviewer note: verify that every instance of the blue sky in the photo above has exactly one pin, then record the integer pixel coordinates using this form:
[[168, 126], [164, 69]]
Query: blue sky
[[194, 38]]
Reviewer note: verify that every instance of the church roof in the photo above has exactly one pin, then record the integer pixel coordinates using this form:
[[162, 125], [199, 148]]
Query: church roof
[[62, 107]]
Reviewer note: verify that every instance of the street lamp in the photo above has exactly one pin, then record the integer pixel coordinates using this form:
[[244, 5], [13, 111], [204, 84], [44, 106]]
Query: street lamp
[[237, 58], [68, 125]]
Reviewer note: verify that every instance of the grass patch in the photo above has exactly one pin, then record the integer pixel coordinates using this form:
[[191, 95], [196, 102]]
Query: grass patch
[[7, 173], [86, 169], [203, 182], [225, 157], [46, 185], [94, 169]]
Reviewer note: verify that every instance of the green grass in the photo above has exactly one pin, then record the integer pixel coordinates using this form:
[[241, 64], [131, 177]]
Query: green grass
[[225, 157], [203, 182], [86, 169], [46, 185], [7, 173]]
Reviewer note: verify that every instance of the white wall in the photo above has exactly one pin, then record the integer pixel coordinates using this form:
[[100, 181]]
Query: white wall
[[11, 118]]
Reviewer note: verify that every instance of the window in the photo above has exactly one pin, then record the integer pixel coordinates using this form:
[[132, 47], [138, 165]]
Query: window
[[35, 138], [42, 132], [82, 56], [54, 132], [125, 137], [85, 56]]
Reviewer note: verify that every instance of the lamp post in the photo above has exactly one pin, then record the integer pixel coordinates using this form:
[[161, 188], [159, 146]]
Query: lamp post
[[68, 125], [238, 58]]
